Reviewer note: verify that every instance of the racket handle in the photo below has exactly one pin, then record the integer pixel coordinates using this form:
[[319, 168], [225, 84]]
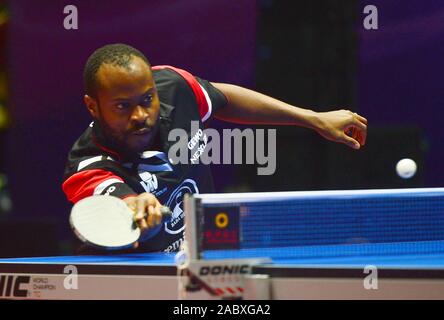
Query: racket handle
[[164, 210], [166, 213]]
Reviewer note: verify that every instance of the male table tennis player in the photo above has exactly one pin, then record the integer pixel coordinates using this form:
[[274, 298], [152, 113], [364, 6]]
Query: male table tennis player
[[124, 151]]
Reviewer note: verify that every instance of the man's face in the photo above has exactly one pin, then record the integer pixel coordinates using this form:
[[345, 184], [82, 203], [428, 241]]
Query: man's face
[[127, 105]]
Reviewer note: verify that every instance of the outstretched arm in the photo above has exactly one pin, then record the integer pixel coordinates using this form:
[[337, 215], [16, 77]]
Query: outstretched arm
[[250, 107]]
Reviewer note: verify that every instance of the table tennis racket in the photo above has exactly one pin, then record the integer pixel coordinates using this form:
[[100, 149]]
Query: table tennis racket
[[106, 222]]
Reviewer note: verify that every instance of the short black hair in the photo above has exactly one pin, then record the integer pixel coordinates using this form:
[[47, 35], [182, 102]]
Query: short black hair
[[117, 54]]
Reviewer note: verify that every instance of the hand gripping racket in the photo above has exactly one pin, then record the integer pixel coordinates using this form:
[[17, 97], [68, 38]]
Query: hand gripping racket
[[106, 222]]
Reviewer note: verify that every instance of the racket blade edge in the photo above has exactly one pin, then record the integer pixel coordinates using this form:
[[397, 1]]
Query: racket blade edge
[[105, 222]]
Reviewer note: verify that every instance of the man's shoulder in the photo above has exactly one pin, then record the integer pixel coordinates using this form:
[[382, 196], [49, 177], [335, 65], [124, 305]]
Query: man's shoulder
[[161, 72], [86, 146], [174, 86], [84, 142], [170, 78], [86, 153]]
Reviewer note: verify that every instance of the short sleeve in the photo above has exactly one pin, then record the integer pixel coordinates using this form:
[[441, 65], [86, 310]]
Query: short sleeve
[[95, 178], [209, 99], [215, 99]]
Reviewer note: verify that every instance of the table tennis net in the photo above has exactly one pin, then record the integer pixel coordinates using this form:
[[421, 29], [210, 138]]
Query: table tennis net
[[410, 220]]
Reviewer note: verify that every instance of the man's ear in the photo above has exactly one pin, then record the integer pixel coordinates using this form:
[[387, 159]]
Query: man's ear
[[91, 105]]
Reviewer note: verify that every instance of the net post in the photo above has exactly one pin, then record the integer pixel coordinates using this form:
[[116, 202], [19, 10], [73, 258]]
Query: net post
[[193, 232]]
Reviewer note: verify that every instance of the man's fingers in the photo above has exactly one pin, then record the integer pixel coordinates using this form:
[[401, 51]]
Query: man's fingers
[[352, 143], [361, 118], [150, 218], [358, 133], [360, 125], [147, 211], [149, 199], [358, 129], [362, 137], [140, 220], [158, 214], [155, 216], [140, 212], [131, 202], [140, 206]]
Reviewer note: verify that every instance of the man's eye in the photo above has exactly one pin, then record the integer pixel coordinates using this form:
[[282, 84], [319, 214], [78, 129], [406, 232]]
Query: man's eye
[[122, 106], [147, 100]]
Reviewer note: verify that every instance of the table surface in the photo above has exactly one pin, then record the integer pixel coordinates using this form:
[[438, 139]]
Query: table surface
[[409, 255], [412, 270]]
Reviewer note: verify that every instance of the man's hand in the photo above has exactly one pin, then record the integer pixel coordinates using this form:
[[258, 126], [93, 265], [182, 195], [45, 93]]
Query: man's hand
[[147, 214], [343, 126], [146, 209]]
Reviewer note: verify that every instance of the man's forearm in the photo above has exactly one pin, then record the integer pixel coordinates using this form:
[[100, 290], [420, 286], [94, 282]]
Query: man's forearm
[[250, 107]]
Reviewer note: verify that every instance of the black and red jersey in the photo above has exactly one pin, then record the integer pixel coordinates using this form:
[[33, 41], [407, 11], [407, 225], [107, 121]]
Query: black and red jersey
[[96, 167]]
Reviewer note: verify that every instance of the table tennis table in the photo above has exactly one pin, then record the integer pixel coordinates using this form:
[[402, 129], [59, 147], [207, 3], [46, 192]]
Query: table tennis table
[[395, 237], [154, 276]]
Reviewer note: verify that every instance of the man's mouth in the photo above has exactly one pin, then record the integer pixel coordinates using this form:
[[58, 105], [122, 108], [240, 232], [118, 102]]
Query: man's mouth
[[141, 132]]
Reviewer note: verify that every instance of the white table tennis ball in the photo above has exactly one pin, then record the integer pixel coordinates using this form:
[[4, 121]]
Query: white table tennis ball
[[406, 168]]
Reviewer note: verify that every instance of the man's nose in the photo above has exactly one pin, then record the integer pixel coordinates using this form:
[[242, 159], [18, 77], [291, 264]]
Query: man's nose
[[140, 114]]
